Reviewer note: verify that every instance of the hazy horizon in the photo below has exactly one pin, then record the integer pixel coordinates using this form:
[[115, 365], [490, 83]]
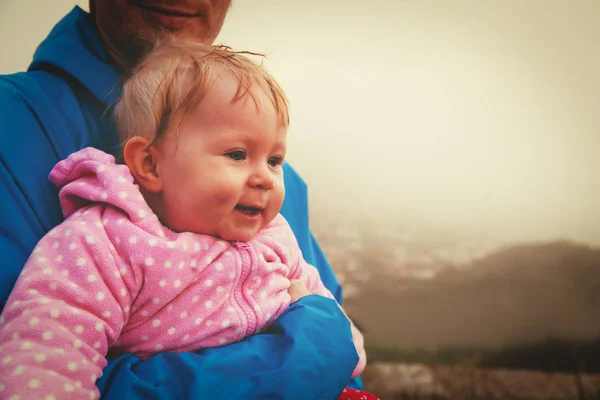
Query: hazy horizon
[[471, 118]]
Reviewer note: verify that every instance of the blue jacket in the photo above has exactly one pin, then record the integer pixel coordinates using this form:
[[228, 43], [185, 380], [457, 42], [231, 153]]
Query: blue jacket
[[60, 106]]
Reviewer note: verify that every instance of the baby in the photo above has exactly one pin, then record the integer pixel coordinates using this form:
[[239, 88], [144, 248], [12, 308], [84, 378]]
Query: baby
[[181, 249]]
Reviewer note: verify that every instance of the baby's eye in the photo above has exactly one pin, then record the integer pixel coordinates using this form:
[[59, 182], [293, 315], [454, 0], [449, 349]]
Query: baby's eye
[[275, 161], [237, 155]]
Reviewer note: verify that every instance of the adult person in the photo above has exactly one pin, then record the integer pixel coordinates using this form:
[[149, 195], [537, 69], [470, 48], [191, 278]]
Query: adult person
[[63, 104]]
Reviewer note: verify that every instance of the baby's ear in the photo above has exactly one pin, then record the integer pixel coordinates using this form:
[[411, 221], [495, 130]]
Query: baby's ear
[[141, 157]]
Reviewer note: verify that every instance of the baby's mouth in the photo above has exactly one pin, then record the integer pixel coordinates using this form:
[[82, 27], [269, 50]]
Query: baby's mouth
[[248, 210]]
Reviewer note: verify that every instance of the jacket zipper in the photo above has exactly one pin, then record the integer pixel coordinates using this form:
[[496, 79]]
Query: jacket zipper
[[244, 304]]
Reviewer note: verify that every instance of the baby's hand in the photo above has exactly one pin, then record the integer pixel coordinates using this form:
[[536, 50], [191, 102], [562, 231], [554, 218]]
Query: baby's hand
[[297, 290]]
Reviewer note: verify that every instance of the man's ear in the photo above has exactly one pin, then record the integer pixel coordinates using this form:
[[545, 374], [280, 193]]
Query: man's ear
[[141, 156]]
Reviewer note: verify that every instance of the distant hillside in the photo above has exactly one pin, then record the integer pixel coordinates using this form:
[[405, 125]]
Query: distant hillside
[[520, 294]]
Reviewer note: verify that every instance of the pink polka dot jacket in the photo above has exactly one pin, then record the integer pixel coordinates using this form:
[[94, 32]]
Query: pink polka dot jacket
[[112, 279]]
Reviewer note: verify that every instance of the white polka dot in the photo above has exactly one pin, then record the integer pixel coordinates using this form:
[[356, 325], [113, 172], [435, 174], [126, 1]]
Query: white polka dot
[[198, 321], [133, 240], [44, 300], [34, 321], [53, 232], [208, 260], [77, 343], [156, 300], [1, 388], [53, 286], [152, 242], [1, 319], [72, 246], [19, 370], [91, 278], [177, 283], [100, 296], [40, 357], [79, 329], [126, 309], [73, 284], [195, 299], [122, 194], [220, 289], [183, 314], [231, 309], [185, 246], [94, 378], [42, 259], [142, 214], [68, 387], [95, 358], [15, 303], [59, 351], [145, 313], [68, 232], [59, 258], [193, 263], [208, 283], [106, 314], [97, 345], [232, 275], [90, 239], [121, 179], [14, 397], [123, 271], [35, 383], [222, 340], [181, 265], [209, 323], [65, 272], [145, 338], [149, 261], [50, 397], [156, 323], [225, 324], [171, 245], [47, 335], [159, 347], [171, 331], [208, 304], [26, 345], [170, 307], [101, 168], [219, 266], [81, 262], [167, 264], [186, 337], [32, 292], [72, 366], [6, 360], [123, 292]]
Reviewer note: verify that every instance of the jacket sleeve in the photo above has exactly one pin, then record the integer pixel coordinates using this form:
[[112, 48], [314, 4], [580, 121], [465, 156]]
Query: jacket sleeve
[[306, 273], [66, 310]]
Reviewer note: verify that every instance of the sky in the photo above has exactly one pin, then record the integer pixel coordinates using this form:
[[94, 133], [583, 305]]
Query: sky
[[472, 118]]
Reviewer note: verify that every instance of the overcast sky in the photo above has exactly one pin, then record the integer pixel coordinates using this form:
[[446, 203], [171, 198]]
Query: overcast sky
[[469, 117]]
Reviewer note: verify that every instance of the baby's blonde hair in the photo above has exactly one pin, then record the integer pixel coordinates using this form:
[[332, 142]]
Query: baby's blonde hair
[[173, 78]]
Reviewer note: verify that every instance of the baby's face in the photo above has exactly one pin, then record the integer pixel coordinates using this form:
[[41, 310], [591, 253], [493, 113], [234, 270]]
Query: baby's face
[[222, 171]]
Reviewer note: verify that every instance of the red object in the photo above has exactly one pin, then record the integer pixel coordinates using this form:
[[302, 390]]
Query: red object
[[353, 394]]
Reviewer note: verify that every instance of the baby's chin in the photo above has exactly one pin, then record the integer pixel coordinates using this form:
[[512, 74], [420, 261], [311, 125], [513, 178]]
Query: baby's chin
[[238, 236]]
